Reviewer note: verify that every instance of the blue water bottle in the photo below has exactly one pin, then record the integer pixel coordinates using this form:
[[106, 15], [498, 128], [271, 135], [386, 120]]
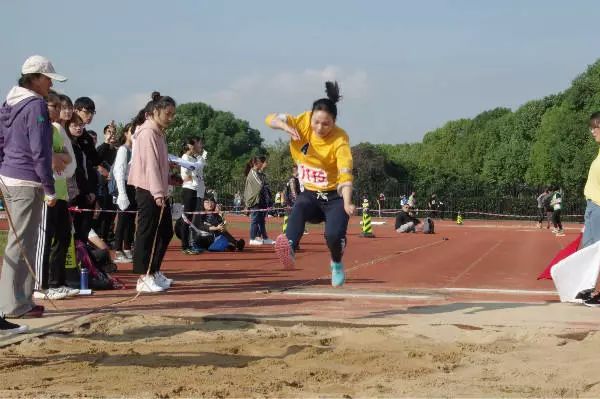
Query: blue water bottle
[[83, 279]]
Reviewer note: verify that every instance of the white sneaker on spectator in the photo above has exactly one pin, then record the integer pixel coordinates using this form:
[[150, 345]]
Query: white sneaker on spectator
[[162, 281], [148, 284], [120, 257], [71, 292], [268, 241], [53, 294], [8, 328], [128, 253], [255, 242]]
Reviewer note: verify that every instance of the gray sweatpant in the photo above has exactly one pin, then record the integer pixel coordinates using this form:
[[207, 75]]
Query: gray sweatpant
[[16, 282], [406, 228]]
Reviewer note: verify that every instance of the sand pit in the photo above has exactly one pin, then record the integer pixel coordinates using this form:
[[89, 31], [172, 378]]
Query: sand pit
[[112, 355]]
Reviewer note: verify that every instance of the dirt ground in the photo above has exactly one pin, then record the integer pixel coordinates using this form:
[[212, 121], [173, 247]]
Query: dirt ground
[[115, 355]]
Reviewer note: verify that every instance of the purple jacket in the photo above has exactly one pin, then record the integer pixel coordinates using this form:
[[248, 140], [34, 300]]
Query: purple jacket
[[26, 142]]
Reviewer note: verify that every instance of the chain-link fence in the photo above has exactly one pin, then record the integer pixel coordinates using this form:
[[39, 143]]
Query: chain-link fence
[[476, 202]]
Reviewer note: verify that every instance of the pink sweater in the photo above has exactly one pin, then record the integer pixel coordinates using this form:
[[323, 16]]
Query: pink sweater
[[150, 160]]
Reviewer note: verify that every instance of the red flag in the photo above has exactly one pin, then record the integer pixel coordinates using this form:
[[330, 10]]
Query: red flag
[[562, 254]]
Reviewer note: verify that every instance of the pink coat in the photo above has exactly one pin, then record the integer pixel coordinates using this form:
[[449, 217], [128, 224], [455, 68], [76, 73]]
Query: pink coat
[[149, 168]]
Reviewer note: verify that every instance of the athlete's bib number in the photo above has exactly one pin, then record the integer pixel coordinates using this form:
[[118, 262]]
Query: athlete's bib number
[[311, 175]]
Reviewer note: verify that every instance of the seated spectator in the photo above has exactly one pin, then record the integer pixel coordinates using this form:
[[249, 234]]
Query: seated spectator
[[100, 253], [405, 222], [211, 225]]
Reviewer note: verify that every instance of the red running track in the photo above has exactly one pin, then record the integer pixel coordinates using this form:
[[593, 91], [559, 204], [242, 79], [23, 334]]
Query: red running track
[[479, 261]]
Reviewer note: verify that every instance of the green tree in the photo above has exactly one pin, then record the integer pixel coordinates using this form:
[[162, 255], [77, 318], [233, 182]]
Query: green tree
[[229, 141]]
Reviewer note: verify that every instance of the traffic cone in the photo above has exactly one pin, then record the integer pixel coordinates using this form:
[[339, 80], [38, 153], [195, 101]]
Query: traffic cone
[[459, 219], [285, 220], [367, 229]]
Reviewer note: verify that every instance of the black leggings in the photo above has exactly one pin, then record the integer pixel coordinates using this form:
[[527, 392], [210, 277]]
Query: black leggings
[[191, 203], [541, 215], [316, 207], [556, 219], [82, 221], [106, 219], [126, 223]]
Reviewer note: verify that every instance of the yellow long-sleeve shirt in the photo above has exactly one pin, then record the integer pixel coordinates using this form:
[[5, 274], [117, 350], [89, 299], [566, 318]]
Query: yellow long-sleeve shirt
[[592, 185], [324, 163]]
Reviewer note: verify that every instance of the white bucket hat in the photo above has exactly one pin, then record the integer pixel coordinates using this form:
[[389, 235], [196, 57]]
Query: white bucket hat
[[39, 64]]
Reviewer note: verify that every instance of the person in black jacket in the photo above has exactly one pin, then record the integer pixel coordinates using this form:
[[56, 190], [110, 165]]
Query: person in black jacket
[[212, 225], [405, 222], [85, 178], [85, 109], [107, 153]]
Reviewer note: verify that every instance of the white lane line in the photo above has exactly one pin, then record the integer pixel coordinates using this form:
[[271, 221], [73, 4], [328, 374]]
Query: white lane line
[[358, 295], [498, 291], [476, 262]]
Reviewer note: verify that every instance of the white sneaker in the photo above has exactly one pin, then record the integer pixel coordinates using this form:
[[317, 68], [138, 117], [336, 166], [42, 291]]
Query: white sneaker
[[71, 292], [268, 241], [162, 281], [53, 294], [8, 328], [128, 253], [255, 242], [147, 284], [120, 257]]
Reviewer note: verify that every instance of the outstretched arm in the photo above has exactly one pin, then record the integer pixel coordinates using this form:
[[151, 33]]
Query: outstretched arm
[[280, 122], [347, 195]]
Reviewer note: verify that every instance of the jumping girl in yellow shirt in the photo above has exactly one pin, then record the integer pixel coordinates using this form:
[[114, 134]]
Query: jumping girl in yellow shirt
[[321, 150]]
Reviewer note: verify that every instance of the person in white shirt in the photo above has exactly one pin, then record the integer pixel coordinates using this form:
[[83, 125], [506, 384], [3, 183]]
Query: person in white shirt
[[193, 188], [125, 199]]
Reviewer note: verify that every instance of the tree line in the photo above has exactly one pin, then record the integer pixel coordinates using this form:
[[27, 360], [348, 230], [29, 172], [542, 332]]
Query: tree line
[[500, 153]]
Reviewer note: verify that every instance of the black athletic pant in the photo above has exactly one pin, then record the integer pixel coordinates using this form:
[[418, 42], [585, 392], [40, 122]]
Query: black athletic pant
[[541, 215], [125, 230], [106, 219], [314, 207], [53, 243], [191, 203], [82, 221], [149, 226], [556, 219]]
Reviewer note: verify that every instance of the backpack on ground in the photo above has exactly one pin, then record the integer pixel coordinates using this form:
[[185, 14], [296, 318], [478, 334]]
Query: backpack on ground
[[428, 226]]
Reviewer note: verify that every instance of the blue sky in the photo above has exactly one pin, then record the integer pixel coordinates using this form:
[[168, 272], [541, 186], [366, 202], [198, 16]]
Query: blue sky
[[405, 67]]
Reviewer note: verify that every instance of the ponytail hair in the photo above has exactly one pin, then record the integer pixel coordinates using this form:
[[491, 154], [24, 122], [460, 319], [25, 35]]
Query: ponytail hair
[[160, 102], [332, 89], [253, 162], [143, 114]]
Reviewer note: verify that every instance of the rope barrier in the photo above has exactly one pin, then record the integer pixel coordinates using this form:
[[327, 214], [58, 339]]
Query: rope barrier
[[270, 209]]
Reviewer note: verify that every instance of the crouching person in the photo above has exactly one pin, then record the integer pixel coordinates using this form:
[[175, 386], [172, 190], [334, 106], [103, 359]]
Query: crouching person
[[213, 234], [405, 222]]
